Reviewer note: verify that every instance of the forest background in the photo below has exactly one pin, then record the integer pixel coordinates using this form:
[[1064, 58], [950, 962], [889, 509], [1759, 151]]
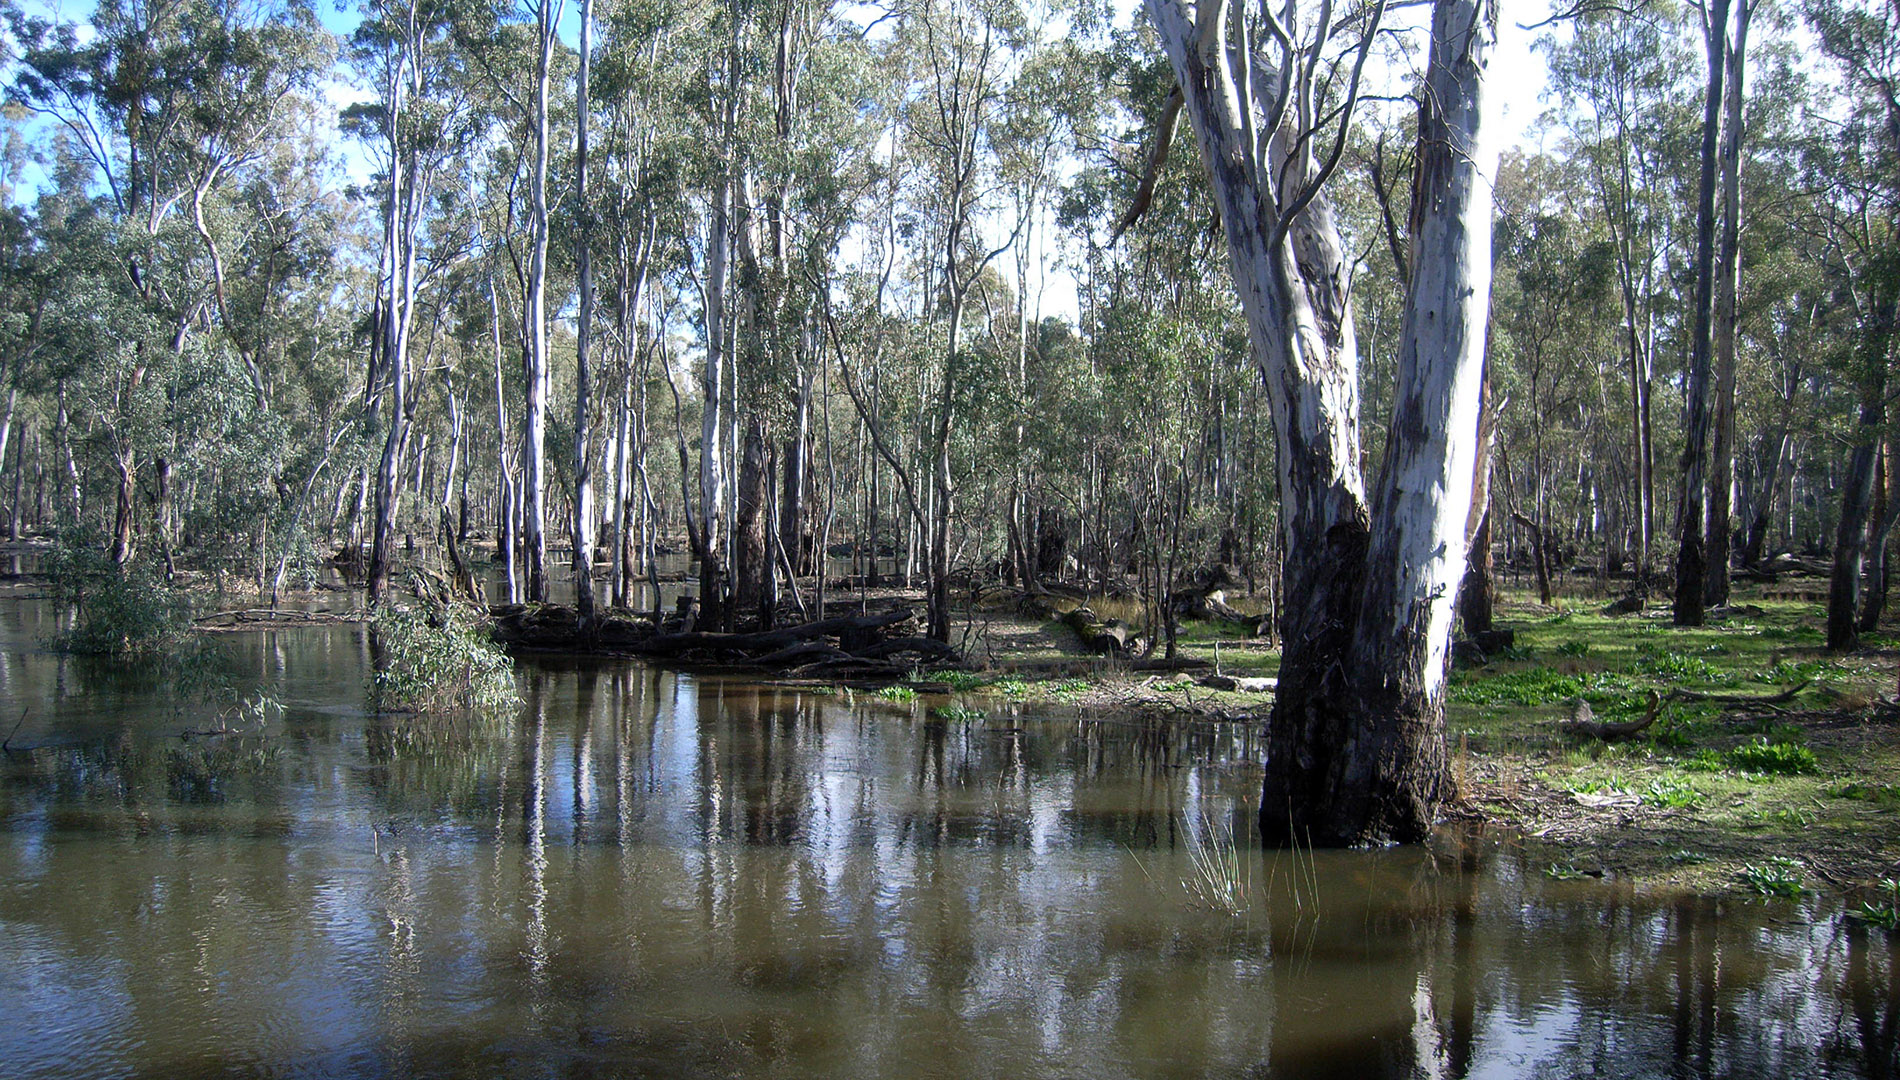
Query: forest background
[[761, 279]]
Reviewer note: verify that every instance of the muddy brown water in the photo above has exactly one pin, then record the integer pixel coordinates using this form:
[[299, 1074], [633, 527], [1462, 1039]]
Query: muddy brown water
[[648, 874]]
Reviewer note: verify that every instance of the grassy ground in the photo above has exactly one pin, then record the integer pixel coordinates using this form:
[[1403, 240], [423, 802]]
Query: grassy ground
[[1717, 797]]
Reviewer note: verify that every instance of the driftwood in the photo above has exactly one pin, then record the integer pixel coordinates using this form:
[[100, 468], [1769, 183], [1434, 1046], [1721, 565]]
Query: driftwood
[[1583, 722]]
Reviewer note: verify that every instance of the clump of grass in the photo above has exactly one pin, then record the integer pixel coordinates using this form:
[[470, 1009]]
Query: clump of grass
[[1779, 758], [962, 681], [960, 713], [438, 662], [1011, 687], [901, 694], [1564, 872], [1882, 908], [1791, 816], [1778, 877], [1792, 671], [1613, 784], [1675, 667], [1685, 857], [1865, 791], [1573, 647], [1068, 689], [1218, 881], [1706, 761], [1672, 793]]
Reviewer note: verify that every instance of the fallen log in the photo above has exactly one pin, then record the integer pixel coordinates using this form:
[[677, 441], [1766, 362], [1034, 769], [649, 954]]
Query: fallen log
[[1583, 721], [766, 640], [922, 646], [1240, 684], [1104, 638]]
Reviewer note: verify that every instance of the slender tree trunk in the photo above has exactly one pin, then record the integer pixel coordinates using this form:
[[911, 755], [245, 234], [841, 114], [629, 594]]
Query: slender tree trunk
[[712, 471], [583, 373], [1691, 518], [1728, 275], [792, 496], [1886, 508], [1857, 490], [539, 374]]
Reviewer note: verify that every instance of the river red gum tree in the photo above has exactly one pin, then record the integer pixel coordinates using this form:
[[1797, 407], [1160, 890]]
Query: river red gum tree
[[1356, 744]]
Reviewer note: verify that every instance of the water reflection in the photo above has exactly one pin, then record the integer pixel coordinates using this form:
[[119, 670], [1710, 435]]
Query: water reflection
[[648, 873]]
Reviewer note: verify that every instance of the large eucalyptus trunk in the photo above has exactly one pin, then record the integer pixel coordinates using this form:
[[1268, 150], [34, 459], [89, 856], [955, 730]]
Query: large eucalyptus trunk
[[1356, 746], [1395, 766]]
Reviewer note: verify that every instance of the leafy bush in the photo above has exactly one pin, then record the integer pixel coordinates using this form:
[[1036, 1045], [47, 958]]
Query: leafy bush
[[119, 610], [439, 662], [1762, 756]]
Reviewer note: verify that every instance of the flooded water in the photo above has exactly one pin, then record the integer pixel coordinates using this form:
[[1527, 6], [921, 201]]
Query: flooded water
[[647, 874]]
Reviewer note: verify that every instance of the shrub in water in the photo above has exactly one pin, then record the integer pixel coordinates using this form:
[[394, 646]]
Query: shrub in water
[[119, 610], [438, 663]]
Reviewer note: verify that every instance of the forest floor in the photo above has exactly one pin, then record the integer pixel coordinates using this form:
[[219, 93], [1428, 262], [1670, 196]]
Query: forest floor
[[1737, 796]]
